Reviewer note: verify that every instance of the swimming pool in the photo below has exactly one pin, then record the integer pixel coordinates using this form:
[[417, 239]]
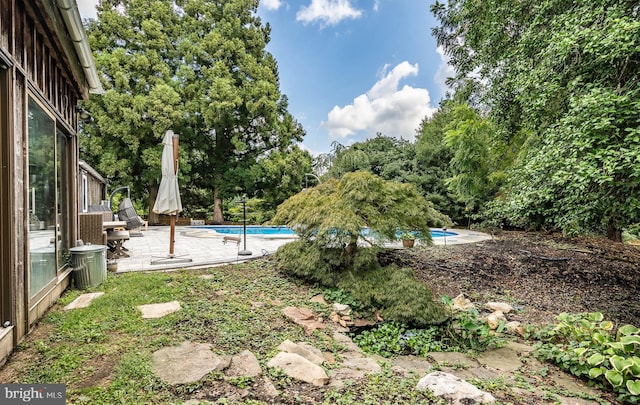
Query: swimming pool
[[283, 230]]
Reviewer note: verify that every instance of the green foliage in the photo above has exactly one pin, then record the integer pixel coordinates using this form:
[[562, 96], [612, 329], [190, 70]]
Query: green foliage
[[301, 259], [563, 101], [341, 296], [199, 68], [333, 213], [463, 331], [329, 219], [396, 292], [280, 175], [391, 158], [257, 211], [589, 347]]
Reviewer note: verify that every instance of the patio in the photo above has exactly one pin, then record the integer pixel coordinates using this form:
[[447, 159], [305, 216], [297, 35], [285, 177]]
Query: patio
[[206, 248]]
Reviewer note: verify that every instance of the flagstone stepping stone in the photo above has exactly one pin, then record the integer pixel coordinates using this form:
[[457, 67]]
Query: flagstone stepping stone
[[187, 363], [83, 301], [418, 365], [571, 384], [342, 375], [244, 364], [575, 401], [151, 311], [356, 361], [503, 359], [296, 366], [452, 358]]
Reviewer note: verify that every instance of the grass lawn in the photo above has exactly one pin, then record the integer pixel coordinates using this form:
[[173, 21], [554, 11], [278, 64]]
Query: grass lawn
[[103, 353]]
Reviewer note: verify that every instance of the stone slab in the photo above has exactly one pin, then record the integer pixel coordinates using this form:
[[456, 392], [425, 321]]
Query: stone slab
[[186, 363], [83, 301], [151, 311]]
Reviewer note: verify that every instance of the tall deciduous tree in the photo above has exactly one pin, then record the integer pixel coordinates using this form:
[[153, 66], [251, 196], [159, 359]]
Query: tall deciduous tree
[[561, 81], [198, 67]]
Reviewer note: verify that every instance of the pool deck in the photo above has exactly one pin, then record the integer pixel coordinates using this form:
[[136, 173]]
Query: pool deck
[[197, 247]]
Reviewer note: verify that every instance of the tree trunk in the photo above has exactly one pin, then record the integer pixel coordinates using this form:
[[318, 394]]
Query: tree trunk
[[218, 215], [613, 232]]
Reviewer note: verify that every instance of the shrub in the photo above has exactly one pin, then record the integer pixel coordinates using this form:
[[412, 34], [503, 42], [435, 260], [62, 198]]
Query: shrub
[[587, 346]]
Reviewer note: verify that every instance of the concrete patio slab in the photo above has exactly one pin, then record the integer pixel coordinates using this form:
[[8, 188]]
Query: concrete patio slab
[[206, 248]]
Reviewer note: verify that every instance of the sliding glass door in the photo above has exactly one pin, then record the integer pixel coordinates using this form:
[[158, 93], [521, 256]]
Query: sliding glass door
[[48, 198]]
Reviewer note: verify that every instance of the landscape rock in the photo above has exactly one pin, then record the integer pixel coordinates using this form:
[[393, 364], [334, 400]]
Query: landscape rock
[[83, 301], [303, 317], [515, 328], [453, 389], [356, 361], [186, 363], [342, 375], [499, 306], [319, 298], [415, 364], [503, 359], [359, 323], [151, 311], [342, 309], [244, 364], [346, 341], [462, 303], [303, 349], [296, 366], [453, 359], [494, 319]]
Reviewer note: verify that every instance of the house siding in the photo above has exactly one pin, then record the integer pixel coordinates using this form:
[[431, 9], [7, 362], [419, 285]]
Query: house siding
[[38, 61]]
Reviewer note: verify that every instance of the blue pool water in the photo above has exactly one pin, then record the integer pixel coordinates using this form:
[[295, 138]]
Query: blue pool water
[[283, 230]]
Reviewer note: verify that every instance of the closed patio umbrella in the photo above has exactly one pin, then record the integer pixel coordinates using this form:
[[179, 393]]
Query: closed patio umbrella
[[168, 199]]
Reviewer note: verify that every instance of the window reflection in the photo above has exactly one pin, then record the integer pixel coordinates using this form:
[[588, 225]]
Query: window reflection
[[43, 220]]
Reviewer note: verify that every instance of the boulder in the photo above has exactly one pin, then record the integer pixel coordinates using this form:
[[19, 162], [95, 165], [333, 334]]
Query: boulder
[[299, 368], [303, 349], [244, 364], [453, 389]]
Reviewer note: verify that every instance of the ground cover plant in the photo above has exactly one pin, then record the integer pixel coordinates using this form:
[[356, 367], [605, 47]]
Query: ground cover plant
[[103, 352], [593, 348]]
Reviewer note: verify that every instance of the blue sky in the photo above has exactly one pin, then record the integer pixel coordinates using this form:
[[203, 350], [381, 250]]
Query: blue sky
[[352, 68]]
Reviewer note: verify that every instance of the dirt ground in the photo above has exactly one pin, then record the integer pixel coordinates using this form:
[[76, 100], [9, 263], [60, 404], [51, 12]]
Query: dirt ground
[[542, 274]]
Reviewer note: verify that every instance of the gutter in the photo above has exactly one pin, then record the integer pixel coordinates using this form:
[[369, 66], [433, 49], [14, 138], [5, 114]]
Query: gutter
[[71, 17]]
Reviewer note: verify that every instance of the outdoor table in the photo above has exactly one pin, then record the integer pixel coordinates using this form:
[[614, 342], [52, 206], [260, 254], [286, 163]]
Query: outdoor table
[[116, 238]]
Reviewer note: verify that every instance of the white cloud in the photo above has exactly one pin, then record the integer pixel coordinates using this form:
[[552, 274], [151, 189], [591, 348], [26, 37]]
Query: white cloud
[[385, 108], [328, 12], [445, 70], [271, 4], [87, 8], [376, 5]]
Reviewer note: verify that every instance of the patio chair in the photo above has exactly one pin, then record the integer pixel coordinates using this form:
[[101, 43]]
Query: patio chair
[[91, 230], [107, 214], [127, 213]]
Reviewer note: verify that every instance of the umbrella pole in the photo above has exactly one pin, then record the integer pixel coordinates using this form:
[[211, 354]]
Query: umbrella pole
[[172, 234]]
